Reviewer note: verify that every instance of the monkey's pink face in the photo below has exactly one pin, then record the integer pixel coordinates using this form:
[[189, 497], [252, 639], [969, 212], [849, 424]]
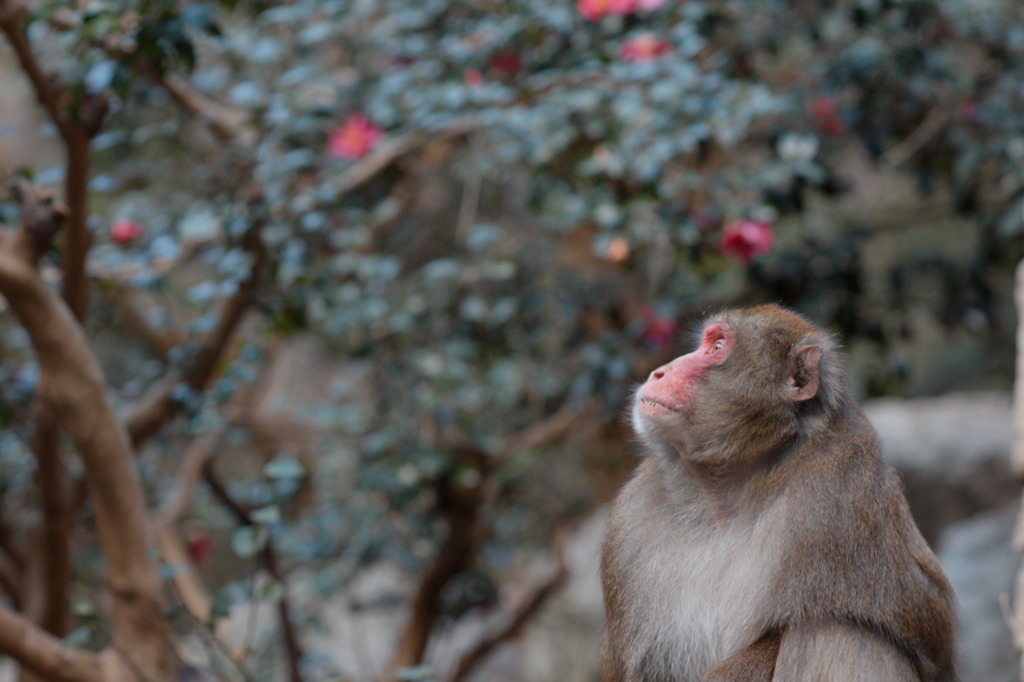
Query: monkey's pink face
[[668, 390]]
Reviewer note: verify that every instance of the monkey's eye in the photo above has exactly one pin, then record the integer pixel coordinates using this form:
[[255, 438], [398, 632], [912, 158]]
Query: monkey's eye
[[719, 345]]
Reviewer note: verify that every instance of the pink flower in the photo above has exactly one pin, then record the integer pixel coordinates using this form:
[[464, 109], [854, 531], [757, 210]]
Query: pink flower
[[644, 47], [473, 77], [623, 7], [125, 231], [746, 239], [649, 5], [593, 10], [659, 330], [354, 138]]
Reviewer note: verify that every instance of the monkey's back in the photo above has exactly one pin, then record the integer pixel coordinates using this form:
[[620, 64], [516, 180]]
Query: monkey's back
[[872, 568]]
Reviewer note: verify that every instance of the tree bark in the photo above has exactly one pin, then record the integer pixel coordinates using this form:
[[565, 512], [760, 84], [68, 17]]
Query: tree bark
[[1016, 618], [71, 385]]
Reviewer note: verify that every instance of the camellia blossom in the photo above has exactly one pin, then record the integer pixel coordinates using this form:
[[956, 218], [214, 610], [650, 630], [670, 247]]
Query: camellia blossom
[[746, 239], [198, 547], [644, 47], [658, 330], [593, 10], [827, 115], [125, 231], [354, 138]]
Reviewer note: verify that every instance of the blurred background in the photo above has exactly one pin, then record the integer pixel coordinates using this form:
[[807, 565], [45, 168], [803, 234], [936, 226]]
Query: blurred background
[[398, 264]]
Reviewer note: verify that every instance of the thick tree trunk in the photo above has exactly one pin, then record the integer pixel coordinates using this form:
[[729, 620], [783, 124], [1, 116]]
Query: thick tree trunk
[[71, 386]]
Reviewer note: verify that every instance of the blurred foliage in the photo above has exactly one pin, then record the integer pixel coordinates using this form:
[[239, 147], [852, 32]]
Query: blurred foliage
[[556, 217]]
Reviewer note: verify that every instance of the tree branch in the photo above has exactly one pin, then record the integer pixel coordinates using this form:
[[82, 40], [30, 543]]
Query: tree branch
[[545, 432], [49, 580], [460, 504], [931, 126], [76, 137], [158, 405], [45, 654], [293, 647], [392, 149], [194, 595], [11, 580], [510, 623], [12, 20], [72, 386], [226, 123]]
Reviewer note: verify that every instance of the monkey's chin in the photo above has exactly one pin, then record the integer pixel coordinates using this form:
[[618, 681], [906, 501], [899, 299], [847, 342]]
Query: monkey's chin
[[652, 406], [655, 422]]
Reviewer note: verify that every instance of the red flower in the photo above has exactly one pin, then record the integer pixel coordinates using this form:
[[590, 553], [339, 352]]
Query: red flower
[[826, 114], [198, 547], [125, 231], [644, 47], [473, 77], [746, 239], [659, 331], [967, 111], [506, 63], [354, 138], [592, 10]]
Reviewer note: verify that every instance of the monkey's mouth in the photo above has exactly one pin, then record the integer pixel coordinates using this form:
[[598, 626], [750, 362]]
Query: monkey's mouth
[[657, 403]]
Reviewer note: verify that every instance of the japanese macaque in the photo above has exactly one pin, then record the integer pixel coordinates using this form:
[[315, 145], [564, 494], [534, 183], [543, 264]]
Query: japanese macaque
[[761, 537]]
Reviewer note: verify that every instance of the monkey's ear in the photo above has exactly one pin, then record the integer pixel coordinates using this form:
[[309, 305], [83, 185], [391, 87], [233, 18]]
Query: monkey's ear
[[803, 375]]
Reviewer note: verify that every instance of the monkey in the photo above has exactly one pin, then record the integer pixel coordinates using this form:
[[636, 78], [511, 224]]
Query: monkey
[[761, 537]]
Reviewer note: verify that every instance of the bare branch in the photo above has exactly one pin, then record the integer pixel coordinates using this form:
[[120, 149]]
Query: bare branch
[[510, 623], [389, 151], [134, 308], [931, 126], [227, 123], [545, 432], [269, 558], [76, 136], [12, 23], [72, 386], [45, 654], [158, 406], [194, 463], [10, 580], [193, 594], [461, 505], [48, 579]]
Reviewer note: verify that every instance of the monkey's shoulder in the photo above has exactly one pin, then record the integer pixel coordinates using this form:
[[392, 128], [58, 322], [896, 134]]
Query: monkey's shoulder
[[856, 555]]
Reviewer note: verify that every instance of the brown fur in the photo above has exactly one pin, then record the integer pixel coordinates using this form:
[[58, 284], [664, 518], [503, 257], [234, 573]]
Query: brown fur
[[766, 469]]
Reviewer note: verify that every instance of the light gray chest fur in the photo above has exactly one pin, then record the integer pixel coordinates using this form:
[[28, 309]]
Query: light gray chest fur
[[698, 584]]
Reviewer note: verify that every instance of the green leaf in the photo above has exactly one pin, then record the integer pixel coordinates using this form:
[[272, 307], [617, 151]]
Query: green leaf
[[248, 541], [420, 673], [78, 636], [267, 515], [284, 466]]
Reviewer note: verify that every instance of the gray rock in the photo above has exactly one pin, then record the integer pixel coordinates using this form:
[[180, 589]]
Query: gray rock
[[981, 564], [952, 451]]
